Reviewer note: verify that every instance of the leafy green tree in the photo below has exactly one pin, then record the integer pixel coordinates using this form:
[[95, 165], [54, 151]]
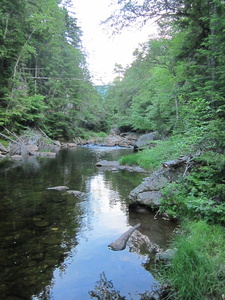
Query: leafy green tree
[[44, 79]]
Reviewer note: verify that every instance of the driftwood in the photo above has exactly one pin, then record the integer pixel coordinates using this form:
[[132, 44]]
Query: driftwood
[[177, 162], [121, 242]]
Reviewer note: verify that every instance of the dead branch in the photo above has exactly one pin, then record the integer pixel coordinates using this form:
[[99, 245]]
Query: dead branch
[[20, 143]]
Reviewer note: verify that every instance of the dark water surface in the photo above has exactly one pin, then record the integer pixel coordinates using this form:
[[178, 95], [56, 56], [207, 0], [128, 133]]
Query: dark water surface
[[54, 245]]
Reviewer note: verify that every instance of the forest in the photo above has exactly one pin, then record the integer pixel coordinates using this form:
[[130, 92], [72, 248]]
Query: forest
[[44, 78], [175, 86]]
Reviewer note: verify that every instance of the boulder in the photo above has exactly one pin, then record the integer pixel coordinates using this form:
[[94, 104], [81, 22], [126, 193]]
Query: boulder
[[149, 199], [146, 140], [149, 192], [113, 140], [108, 164], [120, 140]]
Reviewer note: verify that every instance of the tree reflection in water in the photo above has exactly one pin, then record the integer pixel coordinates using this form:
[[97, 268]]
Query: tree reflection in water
[[38, 232], [104, 290]]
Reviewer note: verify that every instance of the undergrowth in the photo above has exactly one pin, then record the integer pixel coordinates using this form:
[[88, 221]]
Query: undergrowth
[[201, 194]]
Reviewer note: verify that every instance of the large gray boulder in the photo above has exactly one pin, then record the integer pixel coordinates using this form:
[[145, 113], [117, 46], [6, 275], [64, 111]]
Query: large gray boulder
[[146, 140], [150, 199], [149, 192]]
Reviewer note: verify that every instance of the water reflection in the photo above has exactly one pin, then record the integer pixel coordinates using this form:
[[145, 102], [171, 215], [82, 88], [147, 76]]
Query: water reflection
[[54, 245]]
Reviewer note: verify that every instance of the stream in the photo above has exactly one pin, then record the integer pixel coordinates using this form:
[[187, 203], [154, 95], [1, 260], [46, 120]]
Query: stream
[[54, 245]]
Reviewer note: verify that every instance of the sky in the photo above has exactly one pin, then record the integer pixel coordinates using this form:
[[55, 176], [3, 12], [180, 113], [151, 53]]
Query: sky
[[104, 50]]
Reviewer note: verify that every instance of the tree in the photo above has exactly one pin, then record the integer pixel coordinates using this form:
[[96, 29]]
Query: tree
[[44, 70], [192, 53]]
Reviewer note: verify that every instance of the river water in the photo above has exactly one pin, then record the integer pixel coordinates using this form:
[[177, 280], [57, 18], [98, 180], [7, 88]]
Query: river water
[[54, 245]]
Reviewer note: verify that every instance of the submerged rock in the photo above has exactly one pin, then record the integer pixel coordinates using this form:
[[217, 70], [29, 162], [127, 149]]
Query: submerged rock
[[114, 166], [75, 193]]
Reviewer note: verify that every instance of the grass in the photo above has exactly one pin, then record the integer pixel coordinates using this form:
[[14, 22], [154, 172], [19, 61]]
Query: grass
[[93, 135], [197, 270], [152, 158]]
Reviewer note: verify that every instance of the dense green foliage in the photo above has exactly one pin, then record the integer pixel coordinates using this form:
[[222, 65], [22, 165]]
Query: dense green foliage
[[44, 81], [175, 86], [176, 82]]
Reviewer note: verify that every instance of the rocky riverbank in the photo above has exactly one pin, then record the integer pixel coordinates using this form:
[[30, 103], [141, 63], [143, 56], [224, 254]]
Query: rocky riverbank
[[150, 191], [147, 194], [36, 142]]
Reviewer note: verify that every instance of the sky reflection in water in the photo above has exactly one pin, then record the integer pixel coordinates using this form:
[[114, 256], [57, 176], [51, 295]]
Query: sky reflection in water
[[54, 245], [104, 221]]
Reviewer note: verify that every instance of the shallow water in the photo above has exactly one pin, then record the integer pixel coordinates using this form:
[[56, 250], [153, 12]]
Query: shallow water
[[54, 245]]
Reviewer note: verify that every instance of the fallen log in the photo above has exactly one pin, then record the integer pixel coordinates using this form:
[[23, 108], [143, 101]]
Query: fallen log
[[121, 242], [177, 162]]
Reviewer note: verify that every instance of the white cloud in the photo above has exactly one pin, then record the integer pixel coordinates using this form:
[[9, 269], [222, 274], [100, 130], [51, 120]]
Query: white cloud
[[104, 51]]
